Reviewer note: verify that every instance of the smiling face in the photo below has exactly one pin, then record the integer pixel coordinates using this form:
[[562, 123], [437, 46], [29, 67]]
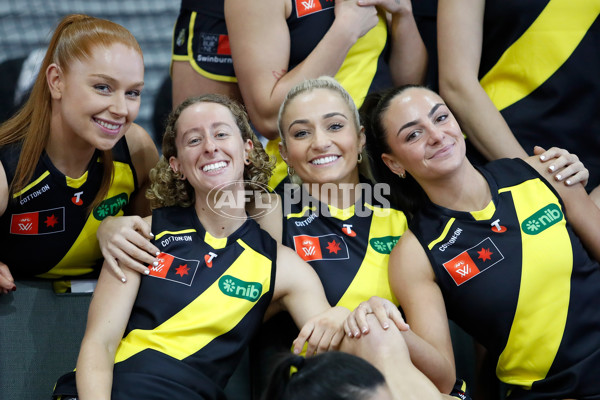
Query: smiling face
[[423, 135], [98, 97], [210, 148], [322, 142]]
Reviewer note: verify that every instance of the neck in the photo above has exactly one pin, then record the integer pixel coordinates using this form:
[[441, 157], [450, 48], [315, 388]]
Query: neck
[[68, 152], [465, 190], [223, 215]]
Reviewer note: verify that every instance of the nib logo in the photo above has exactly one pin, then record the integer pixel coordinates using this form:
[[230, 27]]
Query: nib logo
[[234, 287], [542, 220]]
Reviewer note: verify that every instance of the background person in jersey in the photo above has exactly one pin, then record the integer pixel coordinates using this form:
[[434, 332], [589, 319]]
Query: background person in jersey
[[180, 331], [276, 44], [519, 74], [72, 155], [201, 61], [503, 249]]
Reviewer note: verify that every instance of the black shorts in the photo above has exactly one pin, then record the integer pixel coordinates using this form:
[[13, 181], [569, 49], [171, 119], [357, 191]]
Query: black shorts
[[201, 39]]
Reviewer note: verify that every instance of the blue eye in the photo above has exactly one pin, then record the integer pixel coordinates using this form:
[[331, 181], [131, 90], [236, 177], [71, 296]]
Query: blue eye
[[102, 88], [336, 126]]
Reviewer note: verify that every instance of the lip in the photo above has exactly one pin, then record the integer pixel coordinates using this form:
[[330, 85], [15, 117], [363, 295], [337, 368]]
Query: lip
[[323, 158], [443, 152], [109, 127]]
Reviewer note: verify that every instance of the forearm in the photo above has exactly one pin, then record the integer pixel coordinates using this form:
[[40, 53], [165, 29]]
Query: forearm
[[94, 372], [480, 120], [325, 59], [408, 58], [438, 368]]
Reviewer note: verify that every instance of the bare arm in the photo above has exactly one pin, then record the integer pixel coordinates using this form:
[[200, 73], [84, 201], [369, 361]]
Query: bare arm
[[7, 283], [460, 32], [107, 318], [408, 58], [298, 290], [413, 282], [260, 47], [580, 209]]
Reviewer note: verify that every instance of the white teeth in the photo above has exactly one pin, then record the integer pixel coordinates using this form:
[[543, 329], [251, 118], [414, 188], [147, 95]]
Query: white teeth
[[107, 125], [212, 167], [324, 160]]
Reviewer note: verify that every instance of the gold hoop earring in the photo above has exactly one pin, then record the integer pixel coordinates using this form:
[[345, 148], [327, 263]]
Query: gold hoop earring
[[291, 171], [359, 158]]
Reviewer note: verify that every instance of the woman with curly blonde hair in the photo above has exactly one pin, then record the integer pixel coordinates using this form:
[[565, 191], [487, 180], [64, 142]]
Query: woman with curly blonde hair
[[180, 331]]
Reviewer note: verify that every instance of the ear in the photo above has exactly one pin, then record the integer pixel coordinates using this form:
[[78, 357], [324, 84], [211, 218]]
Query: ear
[[362, 139], [55, 80], [283, 152], [248, 146], [175, 165], [393, 164]]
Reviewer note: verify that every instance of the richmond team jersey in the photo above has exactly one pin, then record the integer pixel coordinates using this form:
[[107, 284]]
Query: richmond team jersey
[[518, 280], [46, 226], [195, 313], [348, 248], [539, 65]]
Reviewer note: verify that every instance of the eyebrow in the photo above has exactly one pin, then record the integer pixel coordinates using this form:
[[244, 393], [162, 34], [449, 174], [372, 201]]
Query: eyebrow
[[429, 114], [113, 81], [325, 116]]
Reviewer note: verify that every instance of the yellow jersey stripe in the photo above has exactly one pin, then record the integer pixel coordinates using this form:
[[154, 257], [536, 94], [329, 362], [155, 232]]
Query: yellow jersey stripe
[[562, 24]]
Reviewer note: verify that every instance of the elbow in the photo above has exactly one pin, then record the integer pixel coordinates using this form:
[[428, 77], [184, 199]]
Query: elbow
[[445, 383], [265, 123]]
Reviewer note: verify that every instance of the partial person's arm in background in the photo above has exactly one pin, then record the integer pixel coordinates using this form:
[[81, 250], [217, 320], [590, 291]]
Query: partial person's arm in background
[[7, 283], [260, 48], [459, 41], [408, 58]]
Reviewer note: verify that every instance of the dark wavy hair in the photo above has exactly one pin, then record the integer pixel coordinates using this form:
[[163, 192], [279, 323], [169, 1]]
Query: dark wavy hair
[[328, 376], [406, 194], [167, 189]]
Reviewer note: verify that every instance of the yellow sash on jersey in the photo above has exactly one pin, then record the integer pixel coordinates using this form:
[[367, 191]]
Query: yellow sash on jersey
[[209, 316], [541, 314], [540, 51]]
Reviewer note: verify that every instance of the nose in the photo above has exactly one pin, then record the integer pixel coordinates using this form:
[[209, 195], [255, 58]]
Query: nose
[[119, 105], [321, 140], [210, 146], [435, 134]]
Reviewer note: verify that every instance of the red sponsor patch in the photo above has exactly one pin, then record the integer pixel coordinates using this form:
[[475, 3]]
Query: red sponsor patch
[[473, 261], [38, 222], [306, 7], [174, 269], [326, 247], [347, 229], [223, 46], [308, 247]]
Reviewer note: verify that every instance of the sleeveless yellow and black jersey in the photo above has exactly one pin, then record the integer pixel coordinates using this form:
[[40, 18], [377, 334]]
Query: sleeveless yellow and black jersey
[[348, 248], [47, 230], [195, 313], [539, 65], [516, 278]]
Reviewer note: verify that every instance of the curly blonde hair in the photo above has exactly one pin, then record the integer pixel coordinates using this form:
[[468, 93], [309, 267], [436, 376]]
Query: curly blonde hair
[[168, 189]]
